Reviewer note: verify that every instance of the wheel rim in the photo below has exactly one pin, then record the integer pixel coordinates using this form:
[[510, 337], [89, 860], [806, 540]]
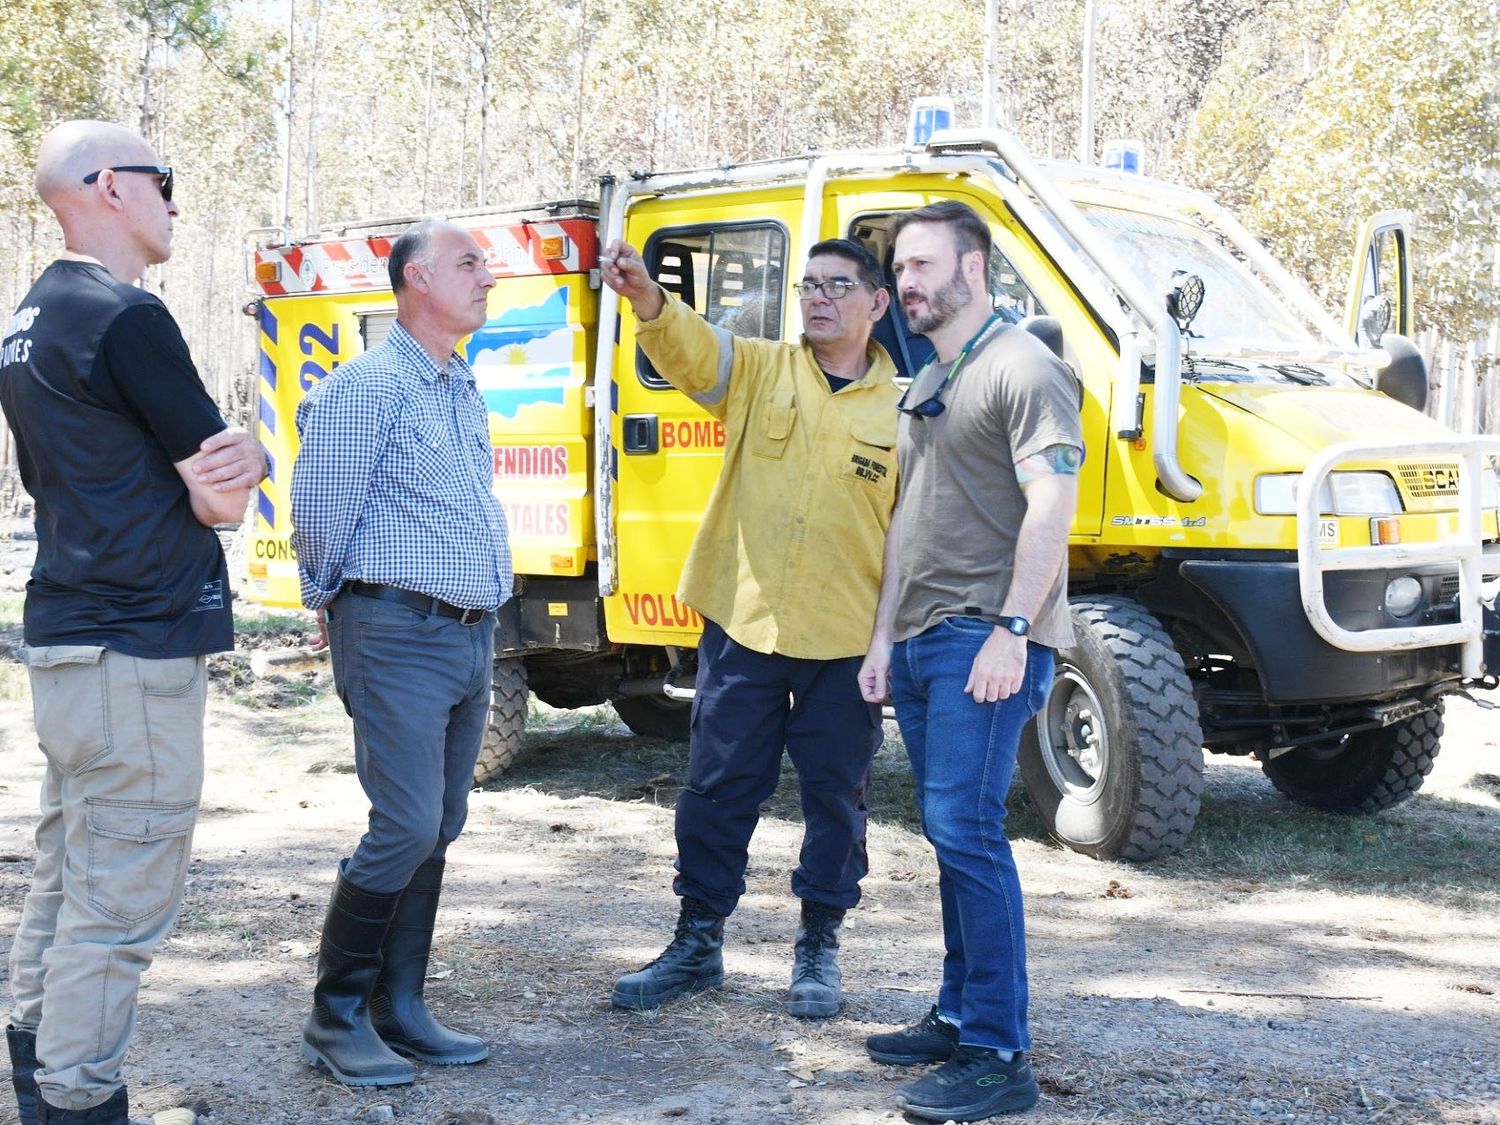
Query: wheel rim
[[1072, 736]]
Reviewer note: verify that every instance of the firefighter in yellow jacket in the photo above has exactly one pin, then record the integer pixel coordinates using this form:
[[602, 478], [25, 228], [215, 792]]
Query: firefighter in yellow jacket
[[785, 570]]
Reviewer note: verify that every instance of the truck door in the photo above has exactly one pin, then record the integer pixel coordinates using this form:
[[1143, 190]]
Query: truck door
[[1380, 281], [728, 261]]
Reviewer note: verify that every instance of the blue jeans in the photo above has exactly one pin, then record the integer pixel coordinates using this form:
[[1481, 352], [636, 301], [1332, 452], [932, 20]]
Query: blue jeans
[[418, 690], [963, 755]]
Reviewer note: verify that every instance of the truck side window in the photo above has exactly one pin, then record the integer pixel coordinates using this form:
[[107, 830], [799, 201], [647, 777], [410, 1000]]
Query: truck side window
[[733, 274], [1014, 299], [374, 328]]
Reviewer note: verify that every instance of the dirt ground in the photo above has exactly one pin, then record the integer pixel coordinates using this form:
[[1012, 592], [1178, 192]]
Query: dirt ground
[[1286, 967]]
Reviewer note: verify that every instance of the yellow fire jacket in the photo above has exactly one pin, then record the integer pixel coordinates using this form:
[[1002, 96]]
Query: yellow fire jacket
[[787, 559]]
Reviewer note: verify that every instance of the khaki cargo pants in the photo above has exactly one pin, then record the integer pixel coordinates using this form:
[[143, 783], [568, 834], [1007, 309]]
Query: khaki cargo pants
[[123, 739]]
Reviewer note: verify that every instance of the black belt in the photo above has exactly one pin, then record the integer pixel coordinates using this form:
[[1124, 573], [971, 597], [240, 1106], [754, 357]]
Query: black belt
[[413, 600]]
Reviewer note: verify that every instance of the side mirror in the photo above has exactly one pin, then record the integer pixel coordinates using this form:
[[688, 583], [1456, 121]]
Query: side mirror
[[1374, 320], [1405, 377]]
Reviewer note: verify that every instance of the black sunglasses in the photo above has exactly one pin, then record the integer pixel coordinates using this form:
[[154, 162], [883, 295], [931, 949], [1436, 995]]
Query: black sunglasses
[[932, 405], [146, 169], [927, 408]]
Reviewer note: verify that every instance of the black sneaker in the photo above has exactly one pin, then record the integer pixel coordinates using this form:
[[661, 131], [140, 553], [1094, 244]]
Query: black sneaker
[[974, 1084], [932, 1039]]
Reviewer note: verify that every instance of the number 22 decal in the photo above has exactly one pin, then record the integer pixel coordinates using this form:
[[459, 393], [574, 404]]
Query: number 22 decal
[[328, 339]]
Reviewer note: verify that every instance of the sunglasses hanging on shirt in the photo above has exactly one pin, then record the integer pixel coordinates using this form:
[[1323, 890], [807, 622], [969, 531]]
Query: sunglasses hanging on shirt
[[932, 405]]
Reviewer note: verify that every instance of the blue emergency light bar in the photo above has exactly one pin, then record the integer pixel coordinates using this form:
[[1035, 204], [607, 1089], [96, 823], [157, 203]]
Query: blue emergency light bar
[[928, 116]]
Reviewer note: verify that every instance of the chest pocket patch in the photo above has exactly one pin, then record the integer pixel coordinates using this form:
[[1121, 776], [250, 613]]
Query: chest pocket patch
[[870, 456], [426, 449]]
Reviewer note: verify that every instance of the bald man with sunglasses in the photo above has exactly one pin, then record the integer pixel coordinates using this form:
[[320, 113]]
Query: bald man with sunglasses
[[131, 466]]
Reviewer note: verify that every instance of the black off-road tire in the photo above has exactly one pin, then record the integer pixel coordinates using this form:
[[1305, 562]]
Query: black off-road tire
[[1114, 761], [1372, 770], [656, 716], [506, 736]]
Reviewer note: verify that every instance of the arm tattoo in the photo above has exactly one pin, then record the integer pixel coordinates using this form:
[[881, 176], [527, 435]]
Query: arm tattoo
[[1055, 460]]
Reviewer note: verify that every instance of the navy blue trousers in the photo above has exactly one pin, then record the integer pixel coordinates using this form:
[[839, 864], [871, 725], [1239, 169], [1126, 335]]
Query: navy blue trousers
[[749, 707]]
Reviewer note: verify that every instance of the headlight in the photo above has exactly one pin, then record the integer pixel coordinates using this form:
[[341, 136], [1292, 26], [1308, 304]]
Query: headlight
[[1342, 494], [1402, 595]]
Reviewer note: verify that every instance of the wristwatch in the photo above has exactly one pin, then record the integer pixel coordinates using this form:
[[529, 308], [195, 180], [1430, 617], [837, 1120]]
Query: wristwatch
[[1017, 625]]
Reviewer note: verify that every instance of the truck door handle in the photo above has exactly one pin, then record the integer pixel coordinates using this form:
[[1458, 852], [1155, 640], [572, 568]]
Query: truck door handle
[[641, 433]]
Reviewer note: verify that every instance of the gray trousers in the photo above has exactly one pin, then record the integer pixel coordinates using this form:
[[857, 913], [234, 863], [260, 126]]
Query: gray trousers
[[123, 740], [418, 689]]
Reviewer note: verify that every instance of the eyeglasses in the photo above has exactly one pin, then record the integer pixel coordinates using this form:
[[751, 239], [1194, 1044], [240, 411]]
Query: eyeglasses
[[145, 169], [836, 289]]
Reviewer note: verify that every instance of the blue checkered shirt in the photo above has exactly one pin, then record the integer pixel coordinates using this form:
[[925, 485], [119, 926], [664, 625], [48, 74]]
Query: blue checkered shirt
[[393, 481]]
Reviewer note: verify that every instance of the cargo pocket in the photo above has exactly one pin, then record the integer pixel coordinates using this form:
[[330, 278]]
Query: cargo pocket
[[138, 855], [70, 704], [777, 420]]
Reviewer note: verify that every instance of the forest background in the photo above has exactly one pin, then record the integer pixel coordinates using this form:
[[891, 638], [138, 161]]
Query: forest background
[[1303, 115]]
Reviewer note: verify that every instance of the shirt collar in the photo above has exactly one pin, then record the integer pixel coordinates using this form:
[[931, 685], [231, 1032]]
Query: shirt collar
[[405, 343], [882, 368]]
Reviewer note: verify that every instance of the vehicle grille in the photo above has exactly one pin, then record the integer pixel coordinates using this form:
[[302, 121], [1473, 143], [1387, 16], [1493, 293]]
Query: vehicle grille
[[1430, 479]]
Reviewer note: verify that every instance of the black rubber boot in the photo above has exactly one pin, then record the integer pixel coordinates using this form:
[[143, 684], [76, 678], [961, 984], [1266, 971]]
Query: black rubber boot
[[398, 1008], [115, 1111], [694, 961], [338, 1034], [22, 1046], [817, 984]]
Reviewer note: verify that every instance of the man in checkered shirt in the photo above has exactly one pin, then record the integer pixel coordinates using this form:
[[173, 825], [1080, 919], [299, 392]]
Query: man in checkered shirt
[[403, 553]]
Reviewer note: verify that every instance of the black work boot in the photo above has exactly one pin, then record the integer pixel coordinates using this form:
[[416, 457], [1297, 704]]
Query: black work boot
[[22, 1046], [115, 1111], [817, 984], [398, 1008], [338, 1034], [694, 961]]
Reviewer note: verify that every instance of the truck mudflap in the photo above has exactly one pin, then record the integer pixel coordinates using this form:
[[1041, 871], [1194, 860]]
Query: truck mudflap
[[550, 613], [1476, 564]]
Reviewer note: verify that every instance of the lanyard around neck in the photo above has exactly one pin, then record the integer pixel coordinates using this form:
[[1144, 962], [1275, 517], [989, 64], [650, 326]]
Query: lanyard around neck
[[958, 362]]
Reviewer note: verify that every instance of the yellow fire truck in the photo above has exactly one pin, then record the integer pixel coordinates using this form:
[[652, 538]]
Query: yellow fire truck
[[1275, 552]]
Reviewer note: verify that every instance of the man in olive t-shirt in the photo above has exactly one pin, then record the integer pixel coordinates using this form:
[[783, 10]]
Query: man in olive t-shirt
[[974, 597]]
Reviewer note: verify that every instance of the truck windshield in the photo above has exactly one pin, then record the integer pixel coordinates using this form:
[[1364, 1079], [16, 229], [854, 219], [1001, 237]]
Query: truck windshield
[[1236, 303]]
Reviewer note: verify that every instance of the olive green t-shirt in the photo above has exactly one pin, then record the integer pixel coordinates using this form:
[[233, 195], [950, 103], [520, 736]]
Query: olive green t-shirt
[[961, 505]]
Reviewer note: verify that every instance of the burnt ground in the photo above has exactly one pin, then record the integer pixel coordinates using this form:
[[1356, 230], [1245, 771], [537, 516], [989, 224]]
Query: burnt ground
[[1288, 966]]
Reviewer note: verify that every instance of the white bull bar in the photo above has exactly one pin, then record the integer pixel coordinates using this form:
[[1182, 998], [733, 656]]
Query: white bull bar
[[1465, 549]]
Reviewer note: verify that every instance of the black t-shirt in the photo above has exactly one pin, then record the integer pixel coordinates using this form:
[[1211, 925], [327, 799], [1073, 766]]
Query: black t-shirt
[[103, 398]]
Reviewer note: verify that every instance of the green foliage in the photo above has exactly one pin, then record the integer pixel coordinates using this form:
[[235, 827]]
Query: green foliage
[[1308, 113], [52, 68], [1328, 111]]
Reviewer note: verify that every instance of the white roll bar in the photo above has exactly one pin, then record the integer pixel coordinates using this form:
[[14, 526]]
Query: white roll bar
[[1150, 309], [1466, 548]]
